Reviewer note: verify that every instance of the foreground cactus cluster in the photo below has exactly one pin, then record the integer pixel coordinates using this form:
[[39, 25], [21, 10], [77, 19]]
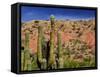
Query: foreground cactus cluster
[[53, 59], [51, 56], [48, 58]]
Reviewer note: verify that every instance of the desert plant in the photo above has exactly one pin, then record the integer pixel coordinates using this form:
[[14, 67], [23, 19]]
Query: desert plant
[[60, 52], [52, 61], [26, 55], [40, 60]]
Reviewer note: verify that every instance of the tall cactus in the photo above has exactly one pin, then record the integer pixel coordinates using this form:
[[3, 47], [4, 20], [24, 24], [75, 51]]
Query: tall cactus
[[39, 48], [27, 61], [60, 53], [41, 61], [52, 62]]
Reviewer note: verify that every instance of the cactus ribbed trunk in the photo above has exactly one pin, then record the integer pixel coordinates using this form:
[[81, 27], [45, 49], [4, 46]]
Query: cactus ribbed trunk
[[59, 44], [27, 61], [60, 53], [52, 62], [39, 45], [40, 59], [52, 56]]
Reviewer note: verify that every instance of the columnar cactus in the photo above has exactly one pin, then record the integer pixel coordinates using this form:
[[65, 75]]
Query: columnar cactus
[[39, 45], [52, 62], [60, 53], [41, 61], [27, 61]]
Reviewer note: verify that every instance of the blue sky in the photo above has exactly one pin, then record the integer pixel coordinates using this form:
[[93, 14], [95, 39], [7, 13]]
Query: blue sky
[[42, 13]]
